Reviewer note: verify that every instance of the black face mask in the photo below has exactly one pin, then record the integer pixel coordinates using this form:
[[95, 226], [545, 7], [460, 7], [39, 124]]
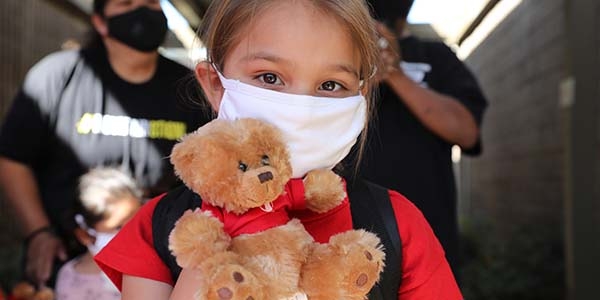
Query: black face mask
[[143, 28]]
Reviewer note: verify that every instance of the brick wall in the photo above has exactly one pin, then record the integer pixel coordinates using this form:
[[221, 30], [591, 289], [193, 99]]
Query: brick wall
[[29, 30], [597, 192], [515, 190], [520, 66]]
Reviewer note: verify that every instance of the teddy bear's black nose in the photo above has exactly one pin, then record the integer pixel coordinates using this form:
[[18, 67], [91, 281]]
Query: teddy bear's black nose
[[264, 177]]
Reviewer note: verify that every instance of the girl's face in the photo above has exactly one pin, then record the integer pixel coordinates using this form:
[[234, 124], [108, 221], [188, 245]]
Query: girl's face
[[118, 213], [293, 48]]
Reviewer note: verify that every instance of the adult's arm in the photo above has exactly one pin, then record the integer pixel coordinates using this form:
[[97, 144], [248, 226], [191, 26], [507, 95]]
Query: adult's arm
[[441, 113], [23, 138], [21, 193], [444, 115]]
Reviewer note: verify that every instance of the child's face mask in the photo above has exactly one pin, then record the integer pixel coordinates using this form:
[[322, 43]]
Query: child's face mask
[[319, 131], [101, 238]]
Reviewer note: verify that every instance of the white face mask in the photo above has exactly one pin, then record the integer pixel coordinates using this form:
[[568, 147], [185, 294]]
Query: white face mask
[[319, 131], [102, 238]]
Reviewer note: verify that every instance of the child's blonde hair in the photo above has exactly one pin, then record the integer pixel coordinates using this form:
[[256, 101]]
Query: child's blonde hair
[[225, 20], [101, 187]]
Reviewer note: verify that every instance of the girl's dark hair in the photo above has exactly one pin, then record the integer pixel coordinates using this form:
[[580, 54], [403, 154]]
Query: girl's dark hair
[[99, 6], [388, 11]]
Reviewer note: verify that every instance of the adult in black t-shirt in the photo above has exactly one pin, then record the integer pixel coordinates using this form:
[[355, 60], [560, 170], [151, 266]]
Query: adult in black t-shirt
[[429, 102], [114, 103]]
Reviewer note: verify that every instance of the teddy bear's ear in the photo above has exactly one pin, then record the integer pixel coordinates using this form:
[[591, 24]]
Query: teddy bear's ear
[[190, 145], [183, 153], [198, 154]]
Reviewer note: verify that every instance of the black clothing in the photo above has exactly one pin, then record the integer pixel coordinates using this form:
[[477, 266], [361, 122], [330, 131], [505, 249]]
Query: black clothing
[[74, 113], [403, 155]]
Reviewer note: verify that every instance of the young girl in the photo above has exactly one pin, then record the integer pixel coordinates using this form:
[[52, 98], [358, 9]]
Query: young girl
[[304, 66], [107, 199]]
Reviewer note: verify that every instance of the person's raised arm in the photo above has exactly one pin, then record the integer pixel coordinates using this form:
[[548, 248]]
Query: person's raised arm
[[442, 114], [21, 192]]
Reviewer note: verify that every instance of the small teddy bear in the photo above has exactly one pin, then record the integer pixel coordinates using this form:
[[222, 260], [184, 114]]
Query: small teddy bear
[[243, 240]]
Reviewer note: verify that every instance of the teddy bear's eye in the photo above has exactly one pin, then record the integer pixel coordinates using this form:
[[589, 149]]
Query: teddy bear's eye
[[242, 166], [265, 160]]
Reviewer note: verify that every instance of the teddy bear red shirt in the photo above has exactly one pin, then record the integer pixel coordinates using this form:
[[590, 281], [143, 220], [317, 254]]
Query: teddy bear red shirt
[[259, 219]]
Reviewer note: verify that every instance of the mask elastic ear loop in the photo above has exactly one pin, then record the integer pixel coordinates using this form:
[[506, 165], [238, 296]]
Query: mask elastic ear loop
[[221, 76], [81, 222], [215, 67], [361, 83], [374, 72]]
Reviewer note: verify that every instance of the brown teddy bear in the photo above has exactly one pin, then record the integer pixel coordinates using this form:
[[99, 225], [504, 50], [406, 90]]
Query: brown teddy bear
[[242, 238]]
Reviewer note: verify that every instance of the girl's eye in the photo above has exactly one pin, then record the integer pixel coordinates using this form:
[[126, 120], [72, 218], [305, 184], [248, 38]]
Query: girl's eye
[[269, 78], [331, 86]]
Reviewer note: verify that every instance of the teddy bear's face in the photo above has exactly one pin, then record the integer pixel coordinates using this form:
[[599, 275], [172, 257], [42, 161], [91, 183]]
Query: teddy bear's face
[[237, 165]]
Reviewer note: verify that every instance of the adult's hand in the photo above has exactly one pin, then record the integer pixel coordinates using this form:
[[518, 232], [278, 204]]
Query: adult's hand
[[18, 183], [389, 51], [42, 250]]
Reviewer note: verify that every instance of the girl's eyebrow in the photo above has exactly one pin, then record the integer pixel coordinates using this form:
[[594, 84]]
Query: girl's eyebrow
[[346, 68], [263, 55]]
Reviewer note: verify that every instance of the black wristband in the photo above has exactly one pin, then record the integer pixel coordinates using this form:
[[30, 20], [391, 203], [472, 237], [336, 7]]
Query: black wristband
[[36, 232]]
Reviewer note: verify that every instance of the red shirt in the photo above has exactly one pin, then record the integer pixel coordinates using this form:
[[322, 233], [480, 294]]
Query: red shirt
[[425, 271], [258, 219]]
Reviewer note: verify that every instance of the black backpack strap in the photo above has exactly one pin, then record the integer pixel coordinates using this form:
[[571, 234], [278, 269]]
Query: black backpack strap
[[168, 210], [54, 115], [372, 210]]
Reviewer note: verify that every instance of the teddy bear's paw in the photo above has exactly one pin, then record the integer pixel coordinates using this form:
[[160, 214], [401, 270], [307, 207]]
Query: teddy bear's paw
[[323, 190], [364, 261], [345, 268], [197, 235], [234, 282]]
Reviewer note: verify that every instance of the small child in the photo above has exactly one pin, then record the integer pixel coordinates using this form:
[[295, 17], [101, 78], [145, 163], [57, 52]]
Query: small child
[[108, 199]]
